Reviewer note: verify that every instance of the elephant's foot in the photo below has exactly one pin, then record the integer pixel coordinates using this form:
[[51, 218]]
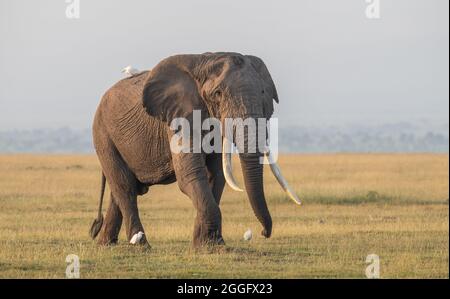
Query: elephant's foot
[[106, 241], [210, 243], [109, 234], [205, 236], [215, 245], [107, 237]]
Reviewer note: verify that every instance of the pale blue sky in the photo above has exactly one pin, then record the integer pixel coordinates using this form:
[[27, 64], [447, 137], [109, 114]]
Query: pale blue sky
[[331, 64]]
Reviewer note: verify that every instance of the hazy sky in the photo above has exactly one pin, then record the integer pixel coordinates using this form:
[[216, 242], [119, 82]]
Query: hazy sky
[[331, 64]]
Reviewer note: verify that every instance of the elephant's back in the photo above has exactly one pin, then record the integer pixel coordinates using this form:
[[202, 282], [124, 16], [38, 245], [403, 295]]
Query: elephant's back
[[121, 105], [141, 139], [125, 93]]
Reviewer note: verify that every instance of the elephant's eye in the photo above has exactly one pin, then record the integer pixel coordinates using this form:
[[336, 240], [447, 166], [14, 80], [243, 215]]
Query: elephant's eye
[[262, 91], [217, 93]]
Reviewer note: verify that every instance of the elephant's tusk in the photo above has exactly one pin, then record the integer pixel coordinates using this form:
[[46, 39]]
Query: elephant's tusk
[[226, 164], [281, 180]]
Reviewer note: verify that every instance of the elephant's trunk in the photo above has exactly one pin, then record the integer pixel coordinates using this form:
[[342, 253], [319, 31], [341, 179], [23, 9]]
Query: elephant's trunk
[[252, 170], [253, 178]]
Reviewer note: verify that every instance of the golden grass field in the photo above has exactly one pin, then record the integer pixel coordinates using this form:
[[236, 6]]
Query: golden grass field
[[395, 206]]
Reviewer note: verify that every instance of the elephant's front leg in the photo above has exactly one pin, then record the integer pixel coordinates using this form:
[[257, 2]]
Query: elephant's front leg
[[192, 177], [216, 178], [215, 175]]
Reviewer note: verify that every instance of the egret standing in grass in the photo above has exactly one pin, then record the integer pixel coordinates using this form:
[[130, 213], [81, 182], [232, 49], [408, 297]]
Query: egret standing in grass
[[248, 235], [136, 238]]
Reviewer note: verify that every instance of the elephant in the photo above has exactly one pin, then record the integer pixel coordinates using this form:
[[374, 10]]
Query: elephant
[[131, 134]]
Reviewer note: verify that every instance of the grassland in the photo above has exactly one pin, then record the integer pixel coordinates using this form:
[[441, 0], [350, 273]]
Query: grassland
[[395, 206]]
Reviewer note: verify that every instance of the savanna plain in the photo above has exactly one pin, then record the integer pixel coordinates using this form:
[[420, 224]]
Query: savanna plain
[[392, 205]]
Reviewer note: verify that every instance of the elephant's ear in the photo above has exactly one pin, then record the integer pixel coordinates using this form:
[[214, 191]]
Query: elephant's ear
[[262, 70], [170, 92]]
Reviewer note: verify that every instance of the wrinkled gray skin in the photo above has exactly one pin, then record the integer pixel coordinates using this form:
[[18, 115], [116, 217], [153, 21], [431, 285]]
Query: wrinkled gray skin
[[131, 136]]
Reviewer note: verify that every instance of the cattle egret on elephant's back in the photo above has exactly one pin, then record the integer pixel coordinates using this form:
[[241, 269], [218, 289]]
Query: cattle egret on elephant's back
[[130, 71]]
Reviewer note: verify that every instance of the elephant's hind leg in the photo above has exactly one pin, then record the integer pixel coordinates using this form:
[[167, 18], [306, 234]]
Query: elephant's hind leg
[[124, 191], [111, 227]]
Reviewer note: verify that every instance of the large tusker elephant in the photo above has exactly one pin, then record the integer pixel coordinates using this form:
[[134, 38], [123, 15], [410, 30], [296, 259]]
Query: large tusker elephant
[[132, 132]]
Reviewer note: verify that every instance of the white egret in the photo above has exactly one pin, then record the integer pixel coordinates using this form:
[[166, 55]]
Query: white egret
[[136, 238], [130, 71], [248, 235]]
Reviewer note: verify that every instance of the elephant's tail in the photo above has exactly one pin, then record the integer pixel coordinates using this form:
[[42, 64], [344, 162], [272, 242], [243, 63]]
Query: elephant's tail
[[97, 224]]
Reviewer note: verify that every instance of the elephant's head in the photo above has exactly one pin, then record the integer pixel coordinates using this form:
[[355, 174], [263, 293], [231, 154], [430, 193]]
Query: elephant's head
[[226, 85]]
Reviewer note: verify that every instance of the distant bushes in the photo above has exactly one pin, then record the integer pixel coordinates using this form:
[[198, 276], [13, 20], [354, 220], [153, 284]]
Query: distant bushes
[[401, 137]]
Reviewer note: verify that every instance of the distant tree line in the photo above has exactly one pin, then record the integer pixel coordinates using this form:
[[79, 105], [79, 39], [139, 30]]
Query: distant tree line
[[401, 137]]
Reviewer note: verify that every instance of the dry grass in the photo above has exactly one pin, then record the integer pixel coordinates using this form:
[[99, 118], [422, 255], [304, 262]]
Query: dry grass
[[393, 205]]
